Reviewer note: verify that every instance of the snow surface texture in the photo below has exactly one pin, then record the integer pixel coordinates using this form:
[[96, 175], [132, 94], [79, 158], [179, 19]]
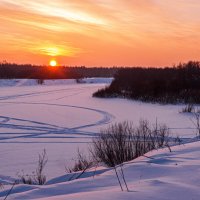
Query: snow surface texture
[[61, 116], [166, 176]]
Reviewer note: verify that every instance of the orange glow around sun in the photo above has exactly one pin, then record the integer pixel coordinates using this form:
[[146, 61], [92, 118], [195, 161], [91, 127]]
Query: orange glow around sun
[[100, 33], [53, 63]]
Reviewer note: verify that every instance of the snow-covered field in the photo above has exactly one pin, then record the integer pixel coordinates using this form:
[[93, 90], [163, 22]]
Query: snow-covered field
[[166, 176], [62, 116]]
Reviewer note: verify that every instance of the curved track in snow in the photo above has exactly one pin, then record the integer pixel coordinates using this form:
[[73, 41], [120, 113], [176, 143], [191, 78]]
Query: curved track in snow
[[35, 129]]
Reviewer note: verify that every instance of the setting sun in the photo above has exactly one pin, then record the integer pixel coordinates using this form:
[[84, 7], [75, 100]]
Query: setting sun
[[53, 63]]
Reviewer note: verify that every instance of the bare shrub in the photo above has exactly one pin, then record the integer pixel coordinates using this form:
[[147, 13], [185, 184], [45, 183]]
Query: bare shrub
[[27, 178], [189, 108], [81, 163], [146, 138], [196, 121], [123, 142], [40, 177], [80, 80], [37, 177], [40, 81], [161, 136], [114, 145], [197, 116]]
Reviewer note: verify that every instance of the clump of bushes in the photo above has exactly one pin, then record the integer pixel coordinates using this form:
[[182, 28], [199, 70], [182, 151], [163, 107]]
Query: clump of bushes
[[189, 108], [40, 81], [123, 142]]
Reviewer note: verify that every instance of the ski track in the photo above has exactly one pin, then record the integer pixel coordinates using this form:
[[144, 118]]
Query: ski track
[[45, 130], [48, 92]]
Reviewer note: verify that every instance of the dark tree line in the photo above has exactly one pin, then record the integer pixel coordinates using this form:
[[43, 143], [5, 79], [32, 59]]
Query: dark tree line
[[165, 85], [10, 71]]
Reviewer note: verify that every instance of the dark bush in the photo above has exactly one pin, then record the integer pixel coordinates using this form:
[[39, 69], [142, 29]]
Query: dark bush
[[189, 108], [81, 163], [40, 81], [123, 142]]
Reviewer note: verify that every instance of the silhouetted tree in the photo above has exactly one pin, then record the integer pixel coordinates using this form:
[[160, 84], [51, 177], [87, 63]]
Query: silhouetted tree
[[165, 85]]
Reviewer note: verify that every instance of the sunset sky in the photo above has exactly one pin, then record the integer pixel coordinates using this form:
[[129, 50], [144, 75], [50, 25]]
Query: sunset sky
[[100, 32]]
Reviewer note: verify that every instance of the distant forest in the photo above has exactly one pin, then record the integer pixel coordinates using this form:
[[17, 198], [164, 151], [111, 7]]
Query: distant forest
[[11, 71], [165, 85]]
